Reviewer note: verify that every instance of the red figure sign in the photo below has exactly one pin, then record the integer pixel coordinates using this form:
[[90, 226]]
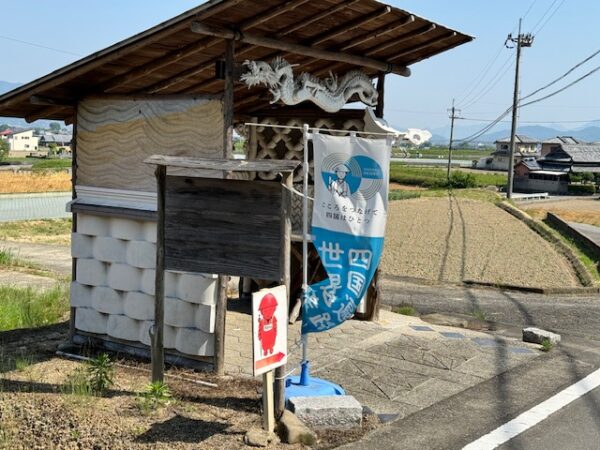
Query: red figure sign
[[269, 308]]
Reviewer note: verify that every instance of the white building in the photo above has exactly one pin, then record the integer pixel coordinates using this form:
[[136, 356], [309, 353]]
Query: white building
[[22, 143]]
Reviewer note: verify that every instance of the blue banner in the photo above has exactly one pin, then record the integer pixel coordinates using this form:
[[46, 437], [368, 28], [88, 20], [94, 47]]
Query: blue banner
[[348, 225]]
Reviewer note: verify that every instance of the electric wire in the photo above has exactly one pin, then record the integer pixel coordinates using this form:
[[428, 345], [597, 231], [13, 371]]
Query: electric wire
[[32, 44], [550, 17]]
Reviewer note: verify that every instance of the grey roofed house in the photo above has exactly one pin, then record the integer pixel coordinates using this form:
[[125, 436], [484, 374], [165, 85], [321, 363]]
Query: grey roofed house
[[576, 158], [58, 139], [519, 139], [559, 140]]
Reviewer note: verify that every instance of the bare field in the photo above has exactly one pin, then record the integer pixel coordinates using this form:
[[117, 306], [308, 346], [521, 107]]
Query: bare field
[[32, 182], [455, 239], [577, 210]]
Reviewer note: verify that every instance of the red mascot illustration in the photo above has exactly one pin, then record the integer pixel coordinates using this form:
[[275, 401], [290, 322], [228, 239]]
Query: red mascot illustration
[[267, 323]]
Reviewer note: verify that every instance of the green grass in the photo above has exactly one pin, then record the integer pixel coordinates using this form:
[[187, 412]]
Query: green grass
[[29, 308], [49, 231], [546, 345], [405, 310], [429, 177], [582, 253], [481, 195], [437, 152], [43, 163]]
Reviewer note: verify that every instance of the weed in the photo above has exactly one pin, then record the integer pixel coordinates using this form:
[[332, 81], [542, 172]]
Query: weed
[[50, 231], [23, 362], [6, 258], [403, 195], [77, 384], [155, 395], [405, 310], [100, 374], [28, 308], [546, 345], [479, 315]]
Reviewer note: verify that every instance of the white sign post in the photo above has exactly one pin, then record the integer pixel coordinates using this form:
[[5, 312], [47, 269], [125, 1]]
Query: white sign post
[[269, 342]]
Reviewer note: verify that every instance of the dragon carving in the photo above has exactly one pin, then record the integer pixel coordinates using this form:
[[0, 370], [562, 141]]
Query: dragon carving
[[330, 94]]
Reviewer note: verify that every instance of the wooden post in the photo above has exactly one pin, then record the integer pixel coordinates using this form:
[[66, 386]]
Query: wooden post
[[268, 403], [286, 252], [381, 92], [157, 331], [221, 309], [73, 314], [220, 322]]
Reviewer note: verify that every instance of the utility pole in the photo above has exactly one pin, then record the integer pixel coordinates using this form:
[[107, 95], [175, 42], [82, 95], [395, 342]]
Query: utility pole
[[453, 115], [522, 40]]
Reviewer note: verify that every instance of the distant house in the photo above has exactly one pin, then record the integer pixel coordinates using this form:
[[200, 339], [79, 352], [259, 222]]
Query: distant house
[[552, 172], [550, 144], [61, 141], [22, 143], [525, 147]]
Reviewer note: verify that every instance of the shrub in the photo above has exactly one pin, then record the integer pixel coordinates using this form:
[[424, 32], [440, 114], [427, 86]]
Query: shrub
[[155, 395], [582, 189], [403, 195], [100, 374], [462, 180]]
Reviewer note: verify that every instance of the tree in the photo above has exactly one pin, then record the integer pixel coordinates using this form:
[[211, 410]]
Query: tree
[[4, 127], [4, 149], [55, 127], [52, 149]]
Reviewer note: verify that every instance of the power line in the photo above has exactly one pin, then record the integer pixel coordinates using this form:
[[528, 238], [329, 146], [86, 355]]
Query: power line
[[508, 64], [32, 44], [473, 119], [550, 17], [545, 14]]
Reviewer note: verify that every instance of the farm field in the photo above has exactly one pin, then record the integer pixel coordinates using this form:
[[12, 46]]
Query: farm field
[[33, 182], [576, 210], [437, 177], [452, 239]]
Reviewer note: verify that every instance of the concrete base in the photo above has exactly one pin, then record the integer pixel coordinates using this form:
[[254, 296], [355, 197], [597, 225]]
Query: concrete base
[[341, 411], [538, 336]]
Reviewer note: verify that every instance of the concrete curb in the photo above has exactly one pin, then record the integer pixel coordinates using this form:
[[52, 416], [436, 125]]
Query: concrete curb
[[562, 226], [497, 286]]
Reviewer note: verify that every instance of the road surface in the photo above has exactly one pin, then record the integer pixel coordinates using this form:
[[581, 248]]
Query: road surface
[[15, 207], [590, 231]]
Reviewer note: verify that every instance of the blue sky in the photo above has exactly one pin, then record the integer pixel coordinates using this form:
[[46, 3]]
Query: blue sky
[[79, 28]]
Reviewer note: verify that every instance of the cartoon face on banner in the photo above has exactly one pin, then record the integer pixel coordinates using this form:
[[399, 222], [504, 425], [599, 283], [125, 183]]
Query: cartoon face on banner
[[269, 325], [359, 177]]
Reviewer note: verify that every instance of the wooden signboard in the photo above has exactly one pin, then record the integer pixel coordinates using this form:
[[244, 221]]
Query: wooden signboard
[[223, 226]]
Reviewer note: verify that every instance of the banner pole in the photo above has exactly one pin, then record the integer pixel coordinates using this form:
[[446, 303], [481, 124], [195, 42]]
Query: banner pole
[[306, 169]]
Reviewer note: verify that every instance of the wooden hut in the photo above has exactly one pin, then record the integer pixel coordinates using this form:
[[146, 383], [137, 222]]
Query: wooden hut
[[175, 90]]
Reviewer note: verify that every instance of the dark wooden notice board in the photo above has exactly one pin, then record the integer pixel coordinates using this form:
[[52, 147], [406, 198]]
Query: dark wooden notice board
[[227, 227]]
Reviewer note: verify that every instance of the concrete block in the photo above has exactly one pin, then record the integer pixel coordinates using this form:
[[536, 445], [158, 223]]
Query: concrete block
[[150, 232], [537, 336], [82, 246], [93, 225], [197, 288], [107, 300], [179, 313], [139, 306], [110, 250], [127, 229], [123, 327], [171, 283], [192, 341], [91, 272], [170, 334], [90, 320], [147, 281], [205, 318], [341, 411], [81, 295], [124, 277], [141, 254], [293, 431]]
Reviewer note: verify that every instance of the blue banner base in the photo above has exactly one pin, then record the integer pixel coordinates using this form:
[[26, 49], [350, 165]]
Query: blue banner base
[[306, 386]]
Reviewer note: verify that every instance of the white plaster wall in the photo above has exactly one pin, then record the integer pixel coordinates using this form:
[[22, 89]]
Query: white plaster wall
[[114, 289]]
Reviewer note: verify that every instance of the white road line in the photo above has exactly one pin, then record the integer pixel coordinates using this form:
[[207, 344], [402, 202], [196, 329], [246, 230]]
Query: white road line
[[536, 414]]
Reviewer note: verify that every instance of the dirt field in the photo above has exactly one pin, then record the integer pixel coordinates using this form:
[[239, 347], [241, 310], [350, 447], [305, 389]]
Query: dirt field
[[444, 239], [38, 412], [29, 182], [577, 210]]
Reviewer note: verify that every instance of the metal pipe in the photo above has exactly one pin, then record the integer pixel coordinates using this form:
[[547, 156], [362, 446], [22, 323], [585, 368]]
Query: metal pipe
[[306, 169]]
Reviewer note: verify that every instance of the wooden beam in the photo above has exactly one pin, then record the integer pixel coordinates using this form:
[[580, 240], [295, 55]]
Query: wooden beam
[[228, 100], [429, 43], [118, 50], [317, 17], [194, 48], [158, 64], [157, 330], [386, 29], [48, 113], [278, 44], [349, 26], [72, 316], [48, 101], [407, 37]]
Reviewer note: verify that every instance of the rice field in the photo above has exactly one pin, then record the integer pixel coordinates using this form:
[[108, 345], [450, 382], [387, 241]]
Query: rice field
[[33, 182]]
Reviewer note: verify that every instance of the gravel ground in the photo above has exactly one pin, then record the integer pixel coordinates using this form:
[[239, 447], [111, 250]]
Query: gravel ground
[[455, 239], [577, 210]]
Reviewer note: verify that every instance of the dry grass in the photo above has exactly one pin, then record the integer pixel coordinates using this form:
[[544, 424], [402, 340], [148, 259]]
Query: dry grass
[[31, 182], [583, 211], [48, 231], [455, 239]]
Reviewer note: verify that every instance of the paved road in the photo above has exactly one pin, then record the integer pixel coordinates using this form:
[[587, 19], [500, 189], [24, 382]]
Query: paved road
[[577, 426], [592, 232], [15, 207], [577, 315]]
